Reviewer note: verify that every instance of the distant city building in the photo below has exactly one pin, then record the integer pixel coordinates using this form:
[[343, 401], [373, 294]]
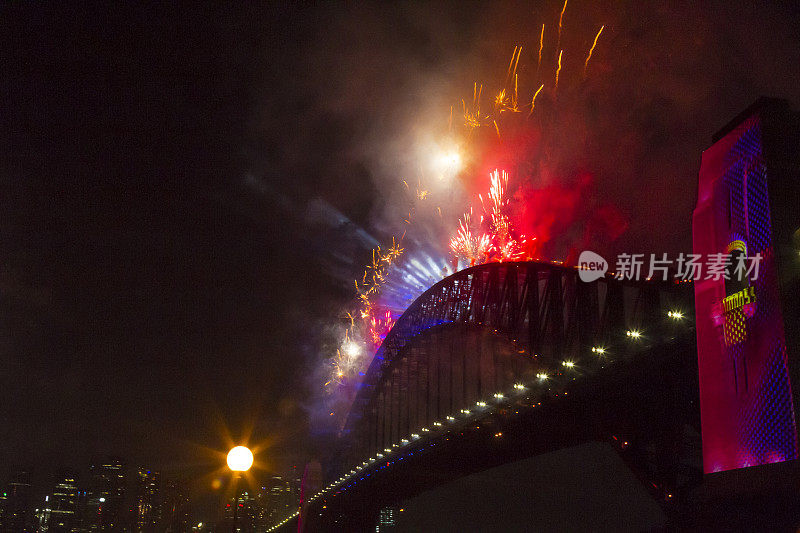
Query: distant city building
[[59, 513], [147, 505], [82, 511], [174, 507], [151, 503], [278, 500], [296, 477], [387, 519], [112, 500], [106, 504], [15, 512], [241, 512]]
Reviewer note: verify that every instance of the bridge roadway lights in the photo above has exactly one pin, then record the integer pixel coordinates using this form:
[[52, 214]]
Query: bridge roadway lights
[[632, 398], [352, 484]]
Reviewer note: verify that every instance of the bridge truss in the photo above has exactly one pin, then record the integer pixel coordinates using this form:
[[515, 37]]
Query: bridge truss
[[490, 328]]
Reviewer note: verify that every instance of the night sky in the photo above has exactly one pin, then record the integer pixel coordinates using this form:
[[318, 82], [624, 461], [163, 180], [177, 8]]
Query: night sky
[[161, 279]]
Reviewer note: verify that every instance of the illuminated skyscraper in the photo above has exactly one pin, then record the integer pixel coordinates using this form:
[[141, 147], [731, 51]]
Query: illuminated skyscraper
[[243, 510], [59, 513], [15, 515], [278, 499], [106, 504], [386, 519], [147, 505]]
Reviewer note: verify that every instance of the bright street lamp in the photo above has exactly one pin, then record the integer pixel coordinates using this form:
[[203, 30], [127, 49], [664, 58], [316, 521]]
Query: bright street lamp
[[240, 459]]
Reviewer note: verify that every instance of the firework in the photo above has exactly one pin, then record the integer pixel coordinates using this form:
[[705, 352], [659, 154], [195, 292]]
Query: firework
[[493, 237], [558, 70], [506, 99], [379, 326], [533, 100], [472, 115], [512, 75], [367, 325], [512, 65], [499, 223], [504, 246], [541, 46], [467, 245], [591, 50]]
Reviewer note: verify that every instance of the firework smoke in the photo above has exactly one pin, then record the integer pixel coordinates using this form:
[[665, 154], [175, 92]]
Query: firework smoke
[[580, 162], [512, 223]]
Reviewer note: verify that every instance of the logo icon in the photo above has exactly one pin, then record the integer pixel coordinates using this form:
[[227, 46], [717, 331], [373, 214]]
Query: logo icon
[[591, 266]]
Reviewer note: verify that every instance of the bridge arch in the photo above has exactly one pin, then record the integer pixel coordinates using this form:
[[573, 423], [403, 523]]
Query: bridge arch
[[486, 329]]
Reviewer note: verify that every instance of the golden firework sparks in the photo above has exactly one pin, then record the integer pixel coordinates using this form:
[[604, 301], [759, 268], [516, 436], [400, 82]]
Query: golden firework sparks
[[515, 96], [512, 65], [500, 100], [533, 100], [467, 245], [507, 97], [472, 115], [516, 62], [588, 57], [558, 70], [372, 324], [541, 46]]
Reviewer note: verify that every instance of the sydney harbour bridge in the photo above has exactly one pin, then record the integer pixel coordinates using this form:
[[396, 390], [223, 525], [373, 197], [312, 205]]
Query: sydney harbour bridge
[[503, 361], [500, 366]]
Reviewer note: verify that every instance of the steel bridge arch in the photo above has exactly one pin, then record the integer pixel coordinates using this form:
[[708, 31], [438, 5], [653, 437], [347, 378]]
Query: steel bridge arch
[[541, 312]]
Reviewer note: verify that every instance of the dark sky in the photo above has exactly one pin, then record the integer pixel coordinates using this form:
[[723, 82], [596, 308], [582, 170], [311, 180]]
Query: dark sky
[[158, 279]]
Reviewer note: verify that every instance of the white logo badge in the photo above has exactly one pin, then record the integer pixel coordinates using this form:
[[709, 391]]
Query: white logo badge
[[591, 266]]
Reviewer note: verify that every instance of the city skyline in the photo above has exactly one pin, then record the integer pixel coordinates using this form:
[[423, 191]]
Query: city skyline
[[111, 494]]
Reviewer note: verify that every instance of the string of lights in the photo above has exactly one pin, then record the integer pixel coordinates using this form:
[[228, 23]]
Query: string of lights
[[543, 384]]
